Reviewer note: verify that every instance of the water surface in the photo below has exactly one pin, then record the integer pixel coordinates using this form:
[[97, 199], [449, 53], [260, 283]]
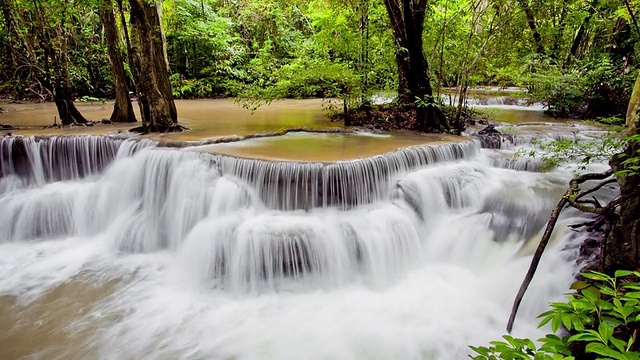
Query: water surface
[[206, 118], [304, 146]]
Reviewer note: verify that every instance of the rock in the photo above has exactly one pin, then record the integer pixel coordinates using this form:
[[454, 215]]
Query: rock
[[483, 122], [89, 123], [7, 127], [106, 121], [489, 137], [589, 249], [490, 129]]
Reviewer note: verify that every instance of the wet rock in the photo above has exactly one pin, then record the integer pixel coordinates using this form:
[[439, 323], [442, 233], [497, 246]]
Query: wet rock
[[589, 249], [7, 127], [490, 129], [106, 121], [483, 122], [489, 137]]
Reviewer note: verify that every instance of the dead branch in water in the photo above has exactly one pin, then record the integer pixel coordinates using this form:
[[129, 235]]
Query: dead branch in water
[[572, 197]]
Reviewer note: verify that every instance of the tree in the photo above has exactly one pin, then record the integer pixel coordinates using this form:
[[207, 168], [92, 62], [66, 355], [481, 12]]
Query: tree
[[158, 109], [50, 23], [623, 243], [531, 22], [122, 109], [414, 84]]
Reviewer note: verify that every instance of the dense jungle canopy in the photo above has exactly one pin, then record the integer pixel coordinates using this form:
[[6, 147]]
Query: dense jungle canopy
[[578, 56]]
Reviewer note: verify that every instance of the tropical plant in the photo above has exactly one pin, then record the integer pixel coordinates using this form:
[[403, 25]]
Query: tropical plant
[[601, 318]]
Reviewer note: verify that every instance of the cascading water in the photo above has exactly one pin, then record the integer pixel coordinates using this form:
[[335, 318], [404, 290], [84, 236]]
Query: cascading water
[[411, 255]]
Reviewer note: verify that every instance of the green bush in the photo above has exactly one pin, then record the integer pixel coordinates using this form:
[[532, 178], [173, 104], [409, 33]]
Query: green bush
[[601, 318]]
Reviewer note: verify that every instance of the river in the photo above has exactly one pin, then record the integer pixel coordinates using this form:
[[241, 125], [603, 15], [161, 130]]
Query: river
[[125, 248]]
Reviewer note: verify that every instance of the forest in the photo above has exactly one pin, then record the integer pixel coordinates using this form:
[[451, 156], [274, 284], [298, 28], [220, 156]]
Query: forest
[[578, 57]]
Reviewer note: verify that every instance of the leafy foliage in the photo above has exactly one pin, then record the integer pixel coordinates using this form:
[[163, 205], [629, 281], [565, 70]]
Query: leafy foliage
[[601, 318], [582, 152], [324, 47]]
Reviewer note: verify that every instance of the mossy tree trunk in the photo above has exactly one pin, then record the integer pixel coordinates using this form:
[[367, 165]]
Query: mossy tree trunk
[[623, 244], [152, 75], [122, 109]]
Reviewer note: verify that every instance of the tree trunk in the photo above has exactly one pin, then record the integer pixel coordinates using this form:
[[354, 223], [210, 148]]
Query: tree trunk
[[153, 86], [160, 62], [531, 22], [63, 99], [414, 85], [559, 33], [122, 109], [578, 39], [623, 244]]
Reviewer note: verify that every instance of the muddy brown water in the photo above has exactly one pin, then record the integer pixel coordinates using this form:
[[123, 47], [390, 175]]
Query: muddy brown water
[[57, 324], [208, 118], [328, 147], [221, 118]]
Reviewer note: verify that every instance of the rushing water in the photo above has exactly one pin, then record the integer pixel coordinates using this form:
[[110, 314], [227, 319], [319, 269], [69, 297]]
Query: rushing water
[[129, 250]]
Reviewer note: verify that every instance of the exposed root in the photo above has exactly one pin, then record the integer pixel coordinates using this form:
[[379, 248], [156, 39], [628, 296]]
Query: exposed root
[[143, 129]]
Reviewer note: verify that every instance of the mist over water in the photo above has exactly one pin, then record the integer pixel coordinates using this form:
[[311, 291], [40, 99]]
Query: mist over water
[[181, 254]]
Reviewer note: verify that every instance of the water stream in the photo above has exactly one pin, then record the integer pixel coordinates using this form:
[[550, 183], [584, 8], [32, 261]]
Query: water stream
[[116, 248]]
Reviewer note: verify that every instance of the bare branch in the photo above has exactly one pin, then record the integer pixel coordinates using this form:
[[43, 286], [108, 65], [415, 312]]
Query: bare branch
[[568, 197]]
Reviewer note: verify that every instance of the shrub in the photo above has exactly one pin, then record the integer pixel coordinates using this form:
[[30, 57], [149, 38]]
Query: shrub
[[601, 318]]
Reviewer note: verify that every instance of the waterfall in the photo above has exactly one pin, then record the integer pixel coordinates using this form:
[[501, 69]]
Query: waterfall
[[252, 224], [40, 160], [303, 185], [413, 254]]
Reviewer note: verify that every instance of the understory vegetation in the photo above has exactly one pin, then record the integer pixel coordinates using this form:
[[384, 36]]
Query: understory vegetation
[[578, 57], [599, 321]]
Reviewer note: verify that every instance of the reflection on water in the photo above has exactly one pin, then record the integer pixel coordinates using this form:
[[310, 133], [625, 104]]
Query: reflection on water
[[524, 116], [220, 117], [206, 118], [302, 146], [223, 117]]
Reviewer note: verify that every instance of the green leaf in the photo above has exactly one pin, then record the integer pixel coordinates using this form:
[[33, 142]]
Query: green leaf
[[598, 276], [555, 324], [567, 321], [623, 273], [606, 331], [584, 337], [632, 295], [604, 305], [601, 349], [618, 344], [579, 285], [590, 295]]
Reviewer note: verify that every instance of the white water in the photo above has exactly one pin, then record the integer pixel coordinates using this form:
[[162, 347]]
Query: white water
[[211, 268]]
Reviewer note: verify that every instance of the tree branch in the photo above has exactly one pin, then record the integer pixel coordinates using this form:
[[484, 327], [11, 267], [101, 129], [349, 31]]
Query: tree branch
[[568, 197]]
